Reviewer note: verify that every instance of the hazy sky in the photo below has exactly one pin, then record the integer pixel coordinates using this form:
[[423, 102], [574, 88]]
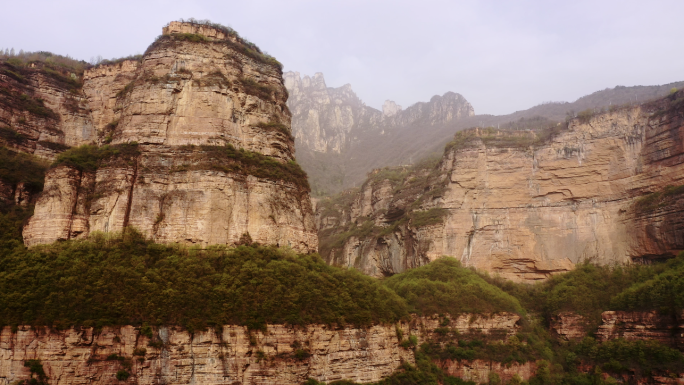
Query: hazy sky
[[501, 55]]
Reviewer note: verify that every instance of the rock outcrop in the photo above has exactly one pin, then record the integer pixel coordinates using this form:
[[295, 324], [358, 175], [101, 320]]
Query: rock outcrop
[[194, 147], [642, 325], [231, 354], [42, 111], [524, 205]]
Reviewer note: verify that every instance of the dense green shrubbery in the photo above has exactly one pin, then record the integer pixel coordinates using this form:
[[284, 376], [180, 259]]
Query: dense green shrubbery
[[445, 287], [90, 158], [429, 217], [663, 291], [587, 290], [16, 167], [195, 38], [622, 356], [116, 281], [229, 159]]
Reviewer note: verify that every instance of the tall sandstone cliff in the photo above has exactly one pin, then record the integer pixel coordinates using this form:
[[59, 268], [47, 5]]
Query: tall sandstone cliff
[[524, 204], [194, 147]]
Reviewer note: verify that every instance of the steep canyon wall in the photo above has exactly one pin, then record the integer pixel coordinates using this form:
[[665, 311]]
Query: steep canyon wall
[[193, 145], [523, 204]]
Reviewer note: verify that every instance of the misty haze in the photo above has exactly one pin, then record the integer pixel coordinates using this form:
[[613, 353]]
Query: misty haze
[[444, 192]]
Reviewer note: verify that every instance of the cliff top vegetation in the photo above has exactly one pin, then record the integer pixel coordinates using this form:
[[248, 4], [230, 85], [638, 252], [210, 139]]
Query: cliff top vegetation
[[241, 45]]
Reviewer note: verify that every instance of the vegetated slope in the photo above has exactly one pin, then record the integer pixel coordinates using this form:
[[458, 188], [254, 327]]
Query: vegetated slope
[[109, 281], [536, 350], [339, 139], [127, 280], [21, 179]]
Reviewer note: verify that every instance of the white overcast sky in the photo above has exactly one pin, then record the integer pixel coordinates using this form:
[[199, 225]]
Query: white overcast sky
[[501, 55]]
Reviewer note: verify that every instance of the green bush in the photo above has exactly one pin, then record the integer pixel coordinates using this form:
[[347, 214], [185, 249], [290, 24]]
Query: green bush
[[585, 116], [115, 281], [252, 87], [663, 292], [445, 287], [16, 167], [621, 356], [89, 158], [429, 217], [122, 375]]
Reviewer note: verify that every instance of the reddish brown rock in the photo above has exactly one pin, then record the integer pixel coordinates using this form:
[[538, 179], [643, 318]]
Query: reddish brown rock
[[642, 325], [569, 325], [183, 103]]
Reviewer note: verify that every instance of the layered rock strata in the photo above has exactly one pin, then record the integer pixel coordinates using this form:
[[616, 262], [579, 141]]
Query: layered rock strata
[[523, 204], [232, 354], [229, 356], [569, 326], [642, 325], [43, 111], [195, 147]]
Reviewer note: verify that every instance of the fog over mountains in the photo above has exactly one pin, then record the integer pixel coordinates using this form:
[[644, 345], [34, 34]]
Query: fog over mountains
[[339, 139]]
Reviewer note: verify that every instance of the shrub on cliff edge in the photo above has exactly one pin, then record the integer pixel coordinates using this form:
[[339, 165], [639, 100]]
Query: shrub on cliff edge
[[445, 287]]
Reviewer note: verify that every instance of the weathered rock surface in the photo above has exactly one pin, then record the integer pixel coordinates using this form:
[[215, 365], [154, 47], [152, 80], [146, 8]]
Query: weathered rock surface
[[642, 325], [527, 211], [569, 325], [182, 103], [282, 355], [41, 114]]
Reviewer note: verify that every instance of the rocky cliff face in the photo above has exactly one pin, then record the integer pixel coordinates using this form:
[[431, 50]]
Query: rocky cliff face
[[339, 138], [642, 325], [326, 119], [42, 111], [232, 354], [522, 204], [195, 147]]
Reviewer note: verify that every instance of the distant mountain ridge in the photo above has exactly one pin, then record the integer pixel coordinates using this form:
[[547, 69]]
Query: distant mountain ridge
[[333, 128], [339, 139]]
